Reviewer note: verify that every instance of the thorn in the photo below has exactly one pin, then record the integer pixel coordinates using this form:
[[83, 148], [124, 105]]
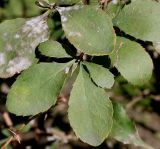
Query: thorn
[[45, 117], [16, 136]]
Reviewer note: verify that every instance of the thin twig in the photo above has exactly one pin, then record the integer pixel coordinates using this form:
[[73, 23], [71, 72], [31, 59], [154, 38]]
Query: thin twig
[[7, 143], [133, 102], [7, 119]]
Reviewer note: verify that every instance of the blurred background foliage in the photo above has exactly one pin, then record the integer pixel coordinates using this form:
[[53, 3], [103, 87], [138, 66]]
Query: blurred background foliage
[[51, 130], [18, 8]]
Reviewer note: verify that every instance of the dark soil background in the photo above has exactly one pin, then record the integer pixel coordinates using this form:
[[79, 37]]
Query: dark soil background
[[51, 130]]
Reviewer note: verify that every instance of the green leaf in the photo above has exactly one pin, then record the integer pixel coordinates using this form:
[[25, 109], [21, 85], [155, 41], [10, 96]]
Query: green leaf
[[70, 79], [132, 61], [113, 8], [100, 75], [36, 89], [90, 110], [141, 20], [18, 40], [16, 8], [52, 48], [94, 2], [31, 8], [123, 129], [88, 28]]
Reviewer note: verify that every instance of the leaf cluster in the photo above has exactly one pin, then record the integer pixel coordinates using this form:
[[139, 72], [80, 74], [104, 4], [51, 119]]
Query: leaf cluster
[[91, 30]]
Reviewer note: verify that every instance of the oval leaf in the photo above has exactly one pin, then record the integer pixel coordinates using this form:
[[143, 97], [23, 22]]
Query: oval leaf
[[132, 61], [18, 40], [88, 28], [52, 48], [141, 20], [123, 129], [36, 89], [100, 75], [90, 110]]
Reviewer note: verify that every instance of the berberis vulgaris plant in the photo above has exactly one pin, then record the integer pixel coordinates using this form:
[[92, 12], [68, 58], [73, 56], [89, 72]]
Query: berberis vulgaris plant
[[90, 28]]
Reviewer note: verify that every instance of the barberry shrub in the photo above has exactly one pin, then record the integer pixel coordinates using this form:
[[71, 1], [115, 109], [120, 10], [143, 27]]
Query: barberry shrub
[[109, 30]]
